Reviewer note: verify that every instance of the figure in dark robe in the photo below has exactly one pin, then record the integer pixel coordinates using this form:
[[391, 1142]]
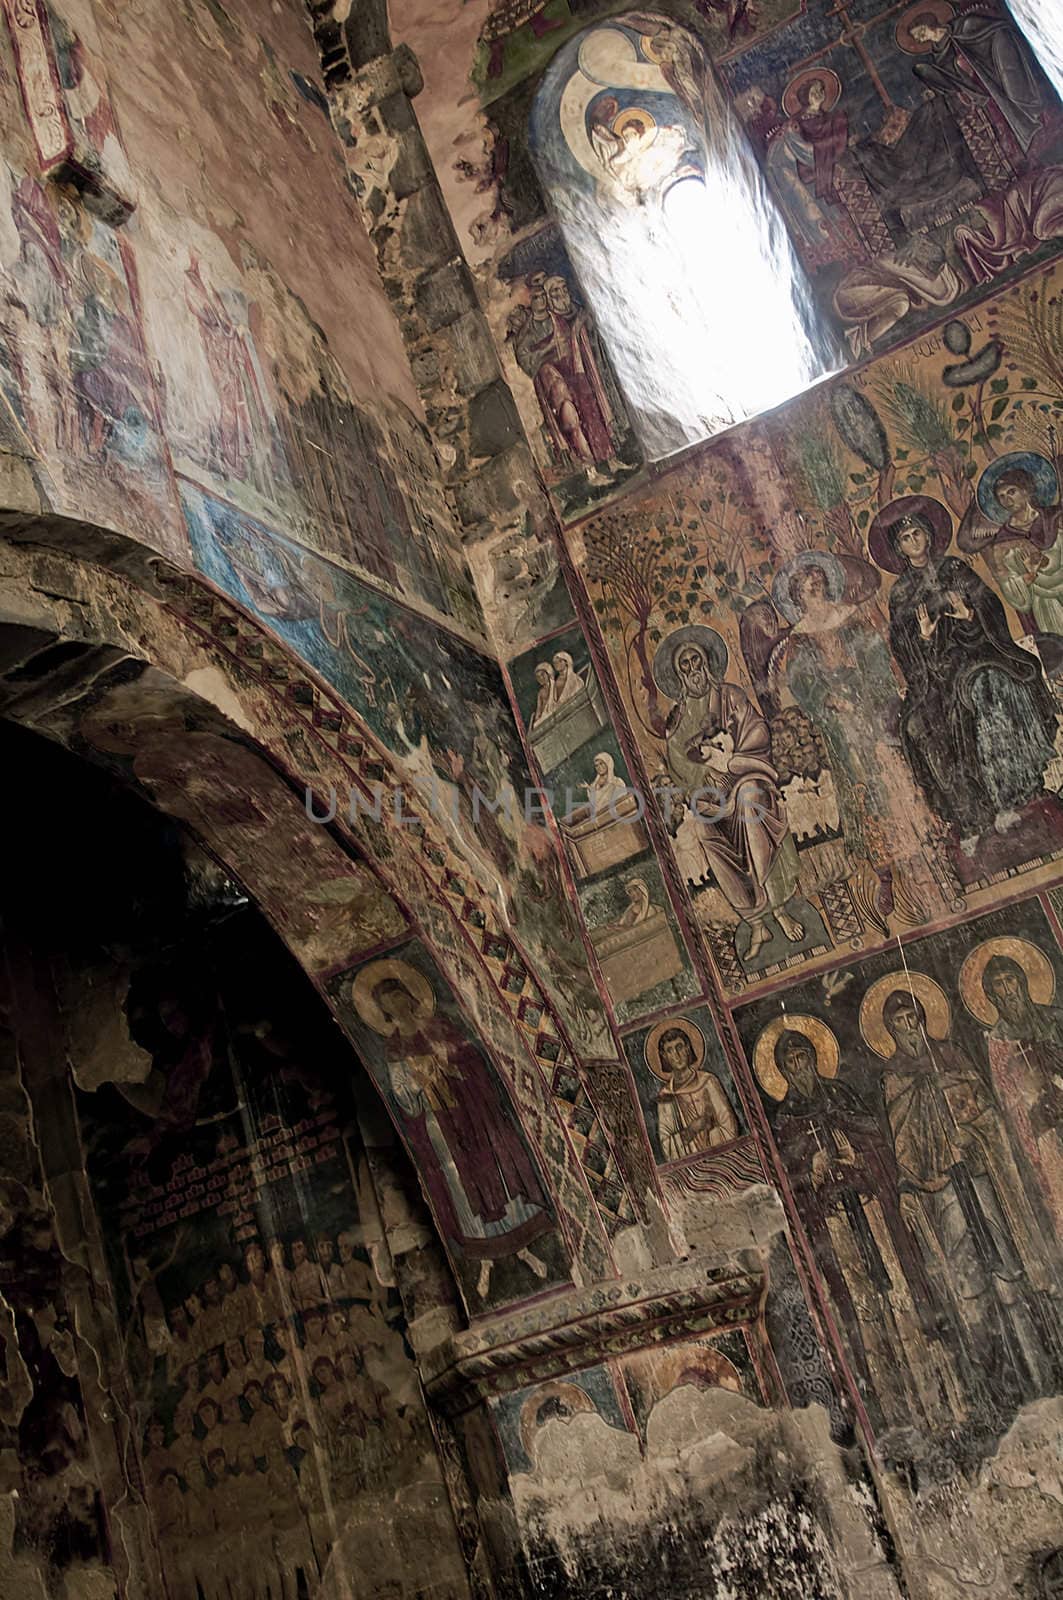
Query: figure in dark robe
[[963, 1198], [482, 1181], [982, 55], [837, 1161], [924, 175], [978, 722], [1026, 1062]]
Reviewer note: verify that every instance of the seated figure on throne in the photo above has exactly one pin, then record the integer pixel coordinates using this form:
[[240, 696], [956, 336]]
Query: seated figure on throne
[[718, 751], [918, 168], [981, 57]]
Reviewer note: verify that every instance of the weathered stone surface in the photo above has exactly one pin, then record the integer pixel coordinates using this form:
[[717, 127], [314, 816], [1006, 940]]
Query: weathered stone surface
[[493, 422], [444, 296]]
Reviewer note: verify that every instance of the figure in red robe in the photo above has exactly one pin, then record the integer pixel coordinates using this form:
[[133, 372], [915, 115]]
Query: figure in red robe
[[480, 1177], [243, 414], [828, 134], [554, 347]]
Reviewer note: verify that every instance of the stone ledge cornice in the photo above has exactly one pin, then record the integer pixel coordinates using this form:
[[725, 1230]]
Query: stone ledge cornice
[[580, 1328]]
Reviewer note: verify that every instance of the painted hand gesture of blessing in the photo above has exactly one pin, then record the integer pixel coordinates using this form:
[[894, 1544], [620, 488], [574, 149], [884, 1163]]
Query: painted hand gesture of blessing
[[958, 609]]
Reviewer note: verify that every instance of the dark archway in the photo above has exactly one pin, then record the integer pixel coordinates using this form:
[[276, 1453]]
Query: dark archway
[[223, 706], [214, 1157]]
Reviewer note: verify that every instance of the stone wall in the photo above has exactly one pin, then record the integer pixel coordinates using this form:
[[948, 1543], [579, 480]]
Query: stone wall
[[738, 1126]]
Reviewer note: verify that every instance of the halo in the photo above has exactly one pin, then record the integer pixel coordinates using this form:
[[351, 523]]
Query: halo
[[930, 995], [902, 33], [657, 1372], [832, 89], [374, 974], [817, 1033], [708, 639], [1041, 470], [648, 41], [570, 1393], [1036, 965], [828, 565], [652, 1047], [882, 552], [631, 114]]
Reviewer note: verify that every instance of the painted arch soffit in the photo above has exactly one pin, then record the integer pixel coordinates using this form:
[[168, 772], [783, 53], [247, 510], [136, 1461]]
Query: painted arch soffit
[[203, 644]]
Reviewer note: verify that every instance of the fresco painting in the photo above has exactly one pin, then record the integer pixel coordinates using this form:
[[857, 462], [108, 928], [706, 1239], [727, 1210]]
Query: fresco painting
[[262, 415], [636, 939], [722, 1362], [915, 1105], [638, 151], [850, 709], [273, 1388], [57, 1515], [520, 1417], [915, 153], [599, 814], [436, 703], [129, 354], [484, 1183], [79, 398], [685, 1086], [558, 363]]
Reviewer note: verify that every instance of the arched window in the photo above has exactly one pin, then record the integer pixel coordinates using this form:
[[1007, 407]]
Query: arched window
[[679, 248]]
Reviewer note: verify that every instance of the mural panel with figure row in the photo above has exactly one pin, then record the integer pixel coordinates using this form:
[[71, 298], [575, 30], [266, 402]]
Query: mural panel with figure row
[[124, 353], [916, 1102], [840, 650], [276, 1397], [914, 152]]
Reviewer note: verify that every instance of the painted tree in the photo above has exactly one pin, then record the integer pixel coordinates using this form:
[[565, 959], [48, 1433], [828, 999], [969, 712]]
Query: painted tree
[[654, 575]]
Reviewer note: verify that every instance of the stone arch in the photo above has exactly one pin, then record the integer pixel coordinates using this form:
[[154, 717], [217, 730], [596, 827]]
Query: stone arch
[[147, 654]]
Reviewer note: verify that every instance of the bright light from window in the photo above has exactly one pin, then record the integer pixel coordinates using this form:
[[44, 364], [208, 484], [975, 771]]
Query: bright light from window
[[1042, 23], [743, 336], [680, 253]]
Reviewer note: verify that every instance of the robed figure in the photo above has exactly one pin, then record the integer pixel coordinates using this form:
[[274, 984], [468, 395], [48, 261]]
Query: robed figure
[[554, 346], [961, 1193], [1009, 985], [243, 414], [1016, 523], [838, 1163], [835, 664], [983, 56], [694, 1114], [718, 750], [826, 134], [480, 1177], [978, 722]]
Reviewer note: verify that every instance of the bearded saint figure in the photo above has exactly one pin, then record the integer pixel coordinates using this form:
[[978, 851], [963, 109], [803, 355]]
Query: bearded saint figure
[[554, 346], [961, 1193], [718, 749]]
